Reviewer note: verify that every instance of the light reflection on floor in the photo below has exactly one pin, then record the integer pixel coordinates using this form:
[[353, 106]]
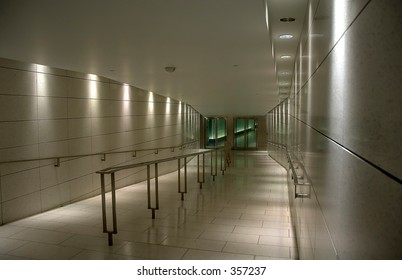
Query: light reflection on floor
[[241, 215]]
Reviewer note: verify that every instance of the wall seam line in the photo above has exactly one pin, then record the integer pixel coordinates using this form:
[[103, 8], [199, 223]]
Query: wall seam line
[[388, 174]]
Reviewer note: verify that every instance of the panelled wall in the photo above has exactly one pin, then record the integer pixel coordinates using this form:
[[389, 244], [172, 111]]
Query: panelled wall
[[47, 112], [343, 120]]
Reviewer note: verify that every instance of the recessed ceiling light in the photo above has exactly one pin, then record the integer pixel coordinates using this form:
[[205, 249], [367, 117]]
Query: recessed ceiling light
[[286, 36], [289, 19], [170, 69], [285, 56]]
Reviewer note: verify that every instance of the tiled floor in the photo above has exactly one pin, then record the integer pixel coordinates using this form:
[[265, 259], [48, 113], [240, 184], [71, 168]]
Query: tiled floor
[[241, 215]]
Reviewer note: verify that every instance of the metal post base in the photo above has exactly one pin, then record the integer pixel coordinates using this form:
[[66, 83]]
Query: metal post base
[[110, 238]]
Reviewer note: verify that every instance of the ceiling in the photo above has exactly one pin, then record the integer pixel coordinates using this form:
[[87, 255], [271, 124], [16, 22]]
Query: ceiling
[[225, 54]]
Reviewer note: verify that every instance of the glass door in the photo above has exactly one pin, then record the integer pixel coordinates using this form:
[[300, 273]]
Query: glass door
[[215, 132], [245, 134]]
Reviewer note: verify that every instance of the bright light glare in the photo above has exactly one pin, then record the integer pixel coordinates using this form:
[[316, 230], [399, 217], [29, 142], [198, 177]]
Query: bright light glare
[[93, 77], [168, 105], [93, 88], [266, 15], [339, 18], [286, 36], [42, 68], [126, 92], [151, 102], [42, 84]]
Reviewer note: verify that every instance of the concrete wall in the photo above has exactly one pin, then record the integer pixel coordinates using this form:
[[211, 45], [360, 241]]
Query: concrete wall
[[46, 112], [343, 120]]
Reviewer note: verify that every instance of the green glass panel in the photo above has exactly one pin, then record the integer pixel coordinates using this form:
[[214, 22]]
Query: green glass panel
[[239, 125], [245, 134], [216, 132], [221, 132], [239, 133]]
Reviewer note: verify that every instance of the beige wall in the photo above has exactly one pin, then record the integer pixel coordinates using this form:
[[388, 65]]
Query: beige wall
[[46, 112], [343, 120]]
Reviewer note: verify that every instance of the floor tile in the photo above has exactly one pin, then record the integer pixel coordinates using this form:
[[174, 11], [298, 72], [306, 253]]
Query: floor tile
[[8, 257], [202, 244], [209, 255], [151, 237], [149, 251], [277, 241], [40, 235], [7, 244], [93, 243], [82, 229], [231, 237], [8, 230], [280, 232], [238, 222], [254, 249], [39, 224], [270, 258], [96, 255], [267, 217], [177, 232], [211, 227], [41, 251], [241, 215]]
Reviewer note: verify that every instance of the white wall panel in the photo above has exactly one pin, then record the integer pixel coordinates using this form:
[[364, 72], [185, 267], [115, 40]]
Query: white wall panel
[[53, 149], [18, 108], [52, 108], [14, 134], [20, 184], [52, 85], [345, 122], [19, 153], [79, 128], [52, 130], [21, 207], [15, 82], [79, 146], [47, 112]]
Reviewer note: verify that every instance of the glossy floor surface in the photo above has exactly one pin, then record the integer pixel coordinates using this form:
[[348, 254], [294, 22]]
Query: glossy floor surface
[[243, 214]]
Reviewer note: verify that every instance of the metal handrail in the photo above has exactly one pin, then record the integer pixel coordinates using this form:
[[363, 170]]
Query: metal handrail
[[225, 158], [148, 163], [278, 145], [115, 169], [103, 154], [296, 178]]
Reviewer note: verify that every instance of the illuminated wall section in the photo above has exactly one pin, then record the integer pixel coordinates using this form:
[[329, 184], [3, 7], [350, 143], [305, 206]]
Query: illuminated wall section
[[46, 112], [345, 126]]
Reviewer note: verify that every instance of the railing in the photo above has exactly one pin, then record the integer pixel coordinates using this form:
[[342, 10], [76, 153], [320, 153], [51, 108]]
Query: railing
[[225, 159], [155, 205], [103, 155], [301, 180], [225, 156]]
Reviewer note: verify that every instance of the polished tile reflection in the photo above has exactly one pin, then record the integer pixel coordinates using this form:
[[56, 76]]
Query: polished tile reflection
[[241, 215]]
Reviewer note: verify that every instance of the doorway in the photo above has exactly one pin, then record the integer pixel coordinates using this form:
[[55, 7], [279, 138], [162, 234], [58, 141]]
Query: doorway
[[245, 134], [216, 132]]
